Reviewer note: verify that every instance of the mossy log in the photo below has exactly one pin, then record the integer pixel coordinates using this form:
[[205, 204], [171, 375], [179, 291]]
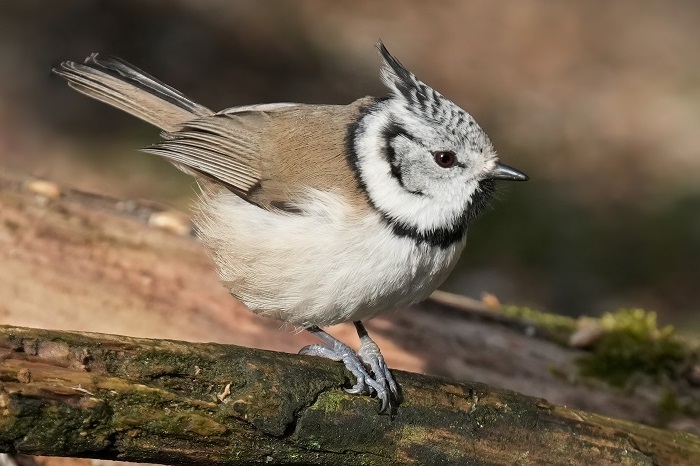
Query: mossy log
[[173, 402]]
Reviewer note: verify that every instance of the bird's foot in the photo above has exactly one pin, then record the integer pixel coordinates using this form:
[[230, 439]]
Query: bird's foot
[[370, 355], [367, 365], [365, 382]]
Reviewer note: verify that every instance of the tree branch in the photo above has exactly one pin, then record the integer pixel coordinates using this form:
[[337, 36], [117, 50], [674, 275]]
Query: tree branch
[[106, 396]]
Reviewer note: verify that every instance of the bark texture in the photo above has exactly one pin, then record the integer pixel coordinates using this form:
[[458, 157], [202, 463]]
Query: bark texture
[[173, 402]]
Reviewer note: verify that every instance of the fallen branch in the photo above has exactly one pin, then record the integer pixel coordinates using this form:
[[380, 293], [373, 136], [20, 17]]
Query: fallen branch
[[113, 397]]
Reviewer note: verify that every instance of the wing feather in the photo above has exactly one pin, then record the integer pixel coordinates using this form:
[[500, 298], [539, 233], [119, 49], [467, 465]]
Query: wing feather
[[224, 147]]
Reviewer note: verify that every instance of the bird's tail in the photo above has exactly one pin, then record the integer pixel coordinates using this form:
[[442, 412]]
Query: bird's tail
[[122, 85]]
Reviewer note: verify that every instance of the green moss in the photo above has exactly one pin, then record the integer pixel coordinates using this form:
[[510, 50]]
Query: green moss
[[179, 425], [630, 346], [54, 428], [330, 401], [633, 345], [559, 326]]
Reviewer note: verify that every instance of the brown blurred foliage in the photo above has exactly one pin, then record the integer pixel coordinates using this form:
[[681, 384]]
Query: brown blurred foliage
[[599, 102]]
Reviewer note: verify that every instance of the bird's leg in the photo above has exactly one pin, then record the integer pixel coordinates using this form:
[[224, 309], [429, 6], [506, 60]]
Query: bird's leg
[[339, 351], [370, 355]]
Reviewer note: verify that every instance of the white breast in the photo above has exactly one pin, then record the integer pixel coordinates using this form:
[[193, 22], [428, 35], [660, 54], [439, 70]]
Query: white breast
[[330, 264]]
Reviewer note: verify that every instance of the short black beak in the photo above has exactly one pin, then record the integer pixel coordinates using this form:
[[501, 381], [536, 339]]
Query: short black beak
[[504, 172]]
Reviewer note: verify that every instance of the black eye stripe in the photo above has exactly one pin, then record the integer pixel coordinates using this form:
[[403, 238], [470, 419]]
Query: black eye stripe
[[393, 130], [390, 132]]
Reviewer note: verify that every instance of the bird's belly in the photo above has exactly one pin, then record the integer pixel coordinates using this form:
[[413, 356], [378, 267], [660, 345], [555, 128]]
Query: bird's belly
[[321, 269], [366, 278]]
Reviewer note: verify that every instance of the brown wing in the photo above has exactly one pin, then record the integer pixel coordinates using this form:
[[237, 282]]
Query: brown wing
[[222, 148], [269, 157]]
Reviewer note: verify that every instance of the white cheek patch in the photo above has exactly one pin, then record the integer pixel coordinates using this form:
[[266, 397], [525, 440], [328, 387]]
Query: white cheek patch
[[395, 201], [408, 170]]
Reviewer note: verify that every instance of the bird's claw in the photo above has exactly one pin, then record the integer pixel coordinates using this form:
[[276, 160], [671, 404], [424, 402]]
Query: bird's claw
[[382, 384], [370, 355]]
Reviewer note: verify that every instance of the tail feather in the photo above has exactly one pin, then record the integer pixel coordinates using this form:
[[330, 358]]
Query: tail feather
[[117, 83]]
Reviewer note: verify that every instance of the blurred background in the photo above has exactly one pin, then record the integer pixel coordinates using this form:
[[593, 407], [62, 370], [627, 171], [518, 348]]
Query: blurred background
[[599, 102]]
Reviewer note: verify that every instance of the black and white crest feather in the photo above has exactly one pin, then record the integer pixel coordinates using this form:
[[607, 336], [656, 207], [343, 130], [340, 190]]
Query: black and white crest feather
[[397, 77], [428, 104]]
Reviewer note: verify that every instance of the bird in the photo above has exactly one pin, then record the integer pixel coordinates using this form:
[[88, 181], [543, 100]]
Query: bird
[[321, 214]]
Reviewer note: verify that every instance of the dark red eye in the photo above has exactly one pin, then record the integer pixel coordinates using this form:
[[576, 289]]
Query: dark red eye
[[445, 158]]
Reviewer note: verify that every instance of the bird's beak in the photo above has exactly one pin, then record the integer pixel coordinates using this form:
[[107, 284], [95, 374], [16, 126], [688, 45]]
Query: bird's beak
[[504, 172]]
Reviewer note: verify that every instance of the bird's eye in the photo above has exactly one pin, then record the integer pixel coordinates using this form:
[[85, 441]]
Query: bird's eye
[[445, 158]]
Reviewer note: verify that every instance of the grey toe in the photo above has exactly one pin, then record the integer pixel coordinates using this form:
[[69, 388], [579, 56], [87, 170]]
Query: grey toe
[[367, 365]]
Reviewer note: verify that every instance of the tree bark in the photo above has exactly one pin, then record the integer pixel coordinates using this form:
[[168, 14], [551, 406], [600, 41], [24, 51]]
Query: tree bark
[[173, 402]]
